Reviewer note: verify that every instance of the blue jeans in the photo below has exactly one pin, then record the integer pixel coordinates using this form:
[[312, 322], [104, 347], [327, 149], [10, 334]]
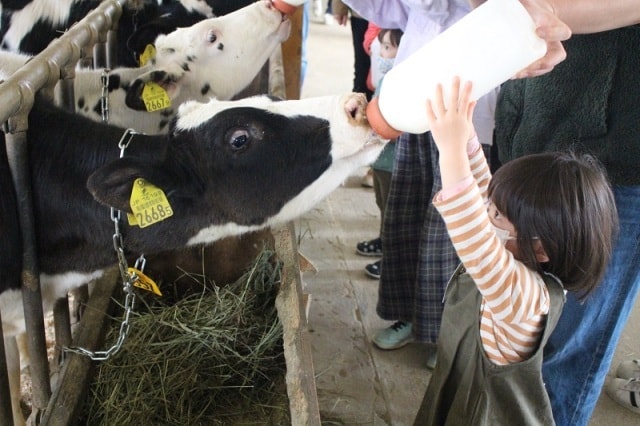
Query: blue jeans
[[579, 352]]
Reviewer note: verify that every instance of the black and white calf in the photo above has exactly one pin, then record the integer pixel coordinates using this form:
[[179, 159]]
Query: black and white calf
[[226, 168], [28, 26], [217, 57]]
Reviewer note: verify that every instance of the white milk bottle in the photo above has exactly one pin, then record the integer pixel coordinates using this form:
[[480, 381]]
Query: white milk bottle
[[487, 47], [288, 6]]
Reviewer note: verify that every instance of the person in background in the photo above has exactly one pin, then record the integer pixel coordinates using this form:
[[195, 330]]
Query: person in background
[[418, 255], [523, 241], [342, 13], [589, 103], [371, 45], [383, 53]]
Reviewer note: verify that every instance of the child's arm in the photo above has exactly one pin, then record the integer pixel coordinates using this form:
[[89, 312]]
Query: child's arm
[[515, 297]]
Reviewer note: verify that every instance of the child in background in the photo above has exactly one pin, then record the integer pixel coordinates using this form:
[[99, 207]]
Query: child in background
[[544, 221], [382, 57]]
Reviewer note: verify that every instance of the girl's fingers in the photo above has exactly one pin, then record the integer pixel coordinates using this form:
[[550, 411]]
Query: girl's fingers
[[471, 107], [439, 103], [455, 94], [431, 116], [465, 94]]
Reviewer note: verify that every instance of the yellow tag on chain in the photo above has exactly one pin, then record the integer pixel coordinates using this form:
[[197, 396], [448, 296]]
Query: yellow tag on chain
[[148, 204], [144, 282], [148, 54], [155, 98]]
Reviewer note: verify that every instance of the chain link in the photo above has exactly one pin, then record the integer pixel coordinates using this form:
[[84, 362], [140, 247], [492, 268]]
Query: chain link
[[127, 278], [104, 97]]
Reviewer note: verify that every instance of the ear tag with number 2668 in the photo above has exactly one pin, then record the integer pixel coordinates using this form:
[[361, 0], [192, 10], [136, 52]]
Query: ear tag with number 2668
[[148, 204]]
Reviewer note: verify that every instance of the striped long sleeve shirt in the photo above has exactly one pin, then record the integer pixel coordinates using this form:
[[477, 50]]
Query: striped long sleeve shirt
[[515, 298]]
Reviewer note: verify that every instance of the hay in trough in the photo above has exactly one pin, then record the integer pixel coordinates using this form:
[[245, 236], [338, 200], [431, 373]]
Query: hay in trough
[[212, 358]]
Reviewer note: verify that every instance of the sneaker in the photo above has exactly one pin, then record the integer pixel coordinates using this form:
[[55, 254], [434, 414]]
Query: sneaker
[[395, 336], [629, 369], [373, 269], [625, 393], [370, 248], [432, 357]]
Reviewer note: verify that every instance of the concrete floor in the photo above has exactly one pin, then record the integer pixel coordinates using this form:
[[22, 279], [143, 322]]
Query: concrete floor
[[358, 384]]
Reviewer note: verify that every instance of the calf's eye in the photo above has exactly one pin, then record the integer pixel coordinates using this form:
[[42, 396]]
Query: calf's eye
[[211, 37], [239, 140]]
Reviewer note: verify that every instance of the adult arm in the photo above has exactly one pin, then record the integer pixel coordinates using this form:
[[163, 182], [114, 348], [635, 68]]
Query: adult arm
[[383, 13], [587, 16], [557, 19], [592, 16]]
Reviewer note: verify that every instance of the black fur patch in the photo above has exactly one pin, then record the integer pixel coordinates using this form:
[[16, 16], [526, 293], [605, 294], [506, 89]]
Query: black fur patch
[[114, 82], [205, 89]]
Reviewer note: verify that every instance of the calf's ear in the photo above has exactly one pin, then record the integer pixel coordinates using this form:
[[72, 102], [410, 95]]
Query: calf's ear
[[111, 185], [167, 77]]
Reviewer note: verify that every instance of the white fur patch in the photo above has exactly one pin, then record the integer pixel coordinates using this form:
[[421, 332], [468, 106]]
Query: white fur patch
[[199, 6], [56, 12], [52, 288]]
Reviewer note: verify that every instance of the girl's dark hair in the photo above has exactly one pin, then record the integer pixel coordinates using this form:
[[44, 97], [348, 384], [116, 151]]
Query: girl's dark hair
[[564, 200], [394, 35]]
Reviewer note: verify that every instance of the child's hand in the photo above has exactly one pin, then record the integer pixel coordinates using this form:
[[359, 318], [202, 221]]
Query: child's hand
[[451, 127]]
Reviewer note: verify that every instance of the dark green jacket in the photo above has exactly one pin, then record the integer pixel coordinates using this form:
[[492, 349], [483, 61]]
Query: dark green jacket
[[589, 102], [466, 389]]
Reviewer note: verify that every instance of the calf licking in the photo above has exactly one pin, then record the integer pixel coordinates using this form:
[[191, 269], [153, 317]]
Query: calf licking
[[28, 26], [217, 57], [226, 168]]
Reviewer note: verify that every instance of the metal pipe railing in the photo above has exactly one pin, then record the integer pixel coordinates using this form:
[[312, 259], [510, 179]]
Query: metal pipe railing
[[17, 95]]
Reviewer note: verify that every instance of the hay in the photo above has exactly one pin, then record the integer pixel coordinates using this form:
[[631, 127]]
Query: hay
[[212, 358]]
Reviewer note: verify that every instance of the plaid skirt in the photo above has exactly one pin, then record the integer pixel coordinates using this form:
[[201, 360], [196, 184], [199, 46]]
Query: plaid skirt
[[418, 255]]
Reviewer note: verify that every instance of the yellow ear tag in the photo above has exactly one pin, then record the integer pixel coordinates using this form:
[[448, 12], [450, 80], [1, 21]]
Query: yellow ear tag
[[144, 282], [148, 204], [148, 54], [155, 98]]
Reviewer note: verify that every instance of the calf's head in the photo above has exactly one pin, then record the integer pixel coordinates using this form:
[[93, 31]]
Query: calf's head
[[217, 57], [237, 166]]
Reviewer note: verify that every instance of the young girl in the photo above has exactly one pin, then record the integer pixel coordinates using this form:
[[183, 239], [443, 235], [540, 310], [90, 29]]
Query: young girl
[[543, 223]]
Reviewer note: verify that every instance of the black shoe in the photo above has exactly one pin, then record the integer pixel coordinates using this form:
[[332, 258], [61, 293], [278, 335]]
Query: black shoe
[[370, 248], [373, 269]]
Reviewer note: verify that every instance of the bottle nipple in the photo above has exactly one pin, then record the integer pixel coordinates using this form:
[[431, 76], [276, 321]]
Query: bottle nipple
[[287, 7], [378, 123]]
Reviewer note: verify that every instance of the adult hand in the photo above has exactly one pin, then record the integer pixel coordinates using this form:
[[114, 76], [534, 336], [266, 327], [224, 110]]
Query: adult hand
[[548, 27], [552, 30], [341, 19]]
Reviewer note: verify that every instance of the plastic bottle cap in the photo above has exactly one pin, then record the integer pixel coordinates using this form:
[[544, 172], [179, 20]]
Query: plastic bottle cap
[[378, 123], [284, 7]]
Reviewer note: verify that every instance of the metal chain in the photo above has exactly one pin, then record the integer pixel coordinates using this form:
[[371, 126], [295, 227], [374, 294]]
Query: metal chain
[[104, 97], [127, 278]]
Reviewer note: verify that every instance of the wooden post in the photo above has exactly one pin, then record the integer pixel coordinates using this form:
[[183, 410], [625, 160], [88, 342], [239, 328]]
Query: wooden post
[[292, 55]]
